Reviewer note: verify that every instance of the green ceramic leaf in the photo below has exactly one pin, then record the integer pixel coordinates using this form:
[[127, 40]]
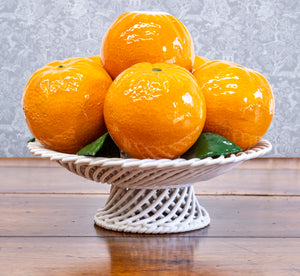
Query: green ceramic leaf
[[104, 146], [211, 145], [31, 140]]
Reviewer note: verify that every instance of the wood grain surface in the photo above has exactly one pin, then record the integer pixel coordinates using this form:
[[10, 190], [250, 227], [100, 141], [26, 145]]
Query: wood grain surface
[[46, 225], [72, 215], [138, 255], [238, 181]]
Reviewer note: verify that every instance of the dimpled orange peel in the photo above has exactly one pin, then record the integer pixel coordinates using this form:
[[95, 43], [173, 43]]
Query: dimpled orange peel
[[146, 37], [97, 59], [154, 110], [63, 103], [198, 62], [239, 102]]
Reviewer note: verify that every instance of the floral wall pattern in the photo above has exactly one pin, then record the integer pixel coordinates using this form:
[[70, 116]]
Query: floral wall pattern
[[261, 34]]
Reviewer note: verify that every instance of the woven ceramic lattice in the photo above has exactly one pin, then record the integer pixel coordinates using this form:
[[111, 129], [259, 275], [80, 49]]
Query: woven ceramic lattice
[[150, 196], [148, 173], [152, 211]]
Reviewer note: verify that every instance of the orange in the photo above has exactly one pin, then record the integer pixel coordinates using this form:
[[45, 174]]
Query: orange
[[198, 62], [154, 110], [239, 101], [63, 103], [146, 37], [97, 59]]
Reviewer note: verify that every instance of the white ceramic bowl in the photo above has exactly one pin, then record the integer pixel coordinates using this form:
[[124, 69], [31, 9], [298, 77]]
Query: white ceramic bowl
[[150, 196]]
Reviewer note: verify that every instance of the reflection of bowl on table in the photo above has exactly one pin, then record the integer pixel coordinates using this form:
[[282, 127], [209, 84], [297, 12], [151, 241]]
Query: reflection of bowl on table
[[163, 251], [150, 196]]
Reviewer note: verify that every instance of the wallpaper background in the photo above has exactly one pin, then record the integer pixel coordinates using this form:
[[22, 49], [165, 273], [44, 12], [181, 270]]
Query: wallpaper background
[[261, 34]]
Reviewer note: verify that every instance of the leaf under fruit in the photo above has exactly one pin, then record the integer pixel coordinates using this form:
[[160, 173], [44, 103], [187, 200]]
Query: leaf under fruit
[[31, 140], [104, 146], [211, 145]]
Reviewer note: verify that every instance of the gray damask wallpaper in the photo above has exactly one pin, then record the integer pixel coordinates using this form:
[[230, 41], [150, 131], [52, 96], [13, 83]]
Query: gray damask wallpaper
[[260, 34]]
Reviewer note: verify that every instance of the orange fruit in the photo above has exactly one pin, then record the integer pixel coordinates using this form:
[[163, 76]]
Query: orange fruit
[[63, 103], [239, 101], [146, 37], [97, 59], [198, 62], [154, 110]]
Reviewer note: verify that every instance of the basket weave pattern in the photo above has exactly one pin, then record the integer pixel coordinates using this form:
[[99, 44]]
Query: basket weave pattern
[[152, 211], [150, 196]]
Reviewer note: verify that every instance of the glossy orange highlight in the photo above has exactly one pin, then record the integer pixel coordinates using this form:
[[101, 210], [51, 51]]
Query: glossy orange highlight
[[63, 103], [155, 110], [240, 103], [146, 37]]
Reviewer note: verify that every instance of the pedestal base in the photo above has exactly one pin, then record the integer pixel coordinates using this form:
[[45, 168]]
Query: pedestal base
[[147, 195], [152, 211]]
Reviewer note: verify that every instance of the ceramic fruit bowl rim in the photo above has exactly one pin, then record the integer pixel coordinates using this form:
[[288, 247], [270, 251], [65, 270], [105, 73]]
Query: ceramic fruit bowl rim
[[261, 148], [150, 196]]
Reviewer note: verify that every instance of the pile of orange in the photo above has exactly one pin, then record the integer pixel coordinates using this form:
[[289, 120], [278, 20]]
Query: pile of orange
[[149, 91]]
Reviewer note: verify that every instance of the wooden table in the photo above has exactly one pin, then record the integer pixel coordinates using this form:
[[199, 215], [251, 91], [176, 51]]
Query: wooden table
[[46, 225]]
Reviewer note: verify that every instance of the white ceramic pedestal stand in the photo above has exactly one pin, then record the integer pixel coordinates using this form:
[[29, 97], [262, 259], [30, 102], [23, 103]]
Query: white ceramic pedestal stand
[[150, 196]]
